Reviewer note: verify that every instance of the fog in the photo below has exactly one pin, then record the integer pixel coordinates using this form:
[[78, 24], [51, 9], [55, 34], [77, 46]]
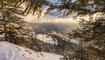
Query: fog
[[49, 24]]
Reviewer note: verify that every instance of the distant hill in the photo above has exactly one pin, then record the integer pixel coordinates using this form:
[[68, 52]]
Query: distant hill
[[53, 26]]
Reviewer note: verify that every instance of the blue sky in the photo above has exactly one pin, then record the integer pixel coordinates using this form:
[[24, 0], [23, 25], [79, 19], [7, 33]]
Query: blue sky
[[53, 1], [58, 0]]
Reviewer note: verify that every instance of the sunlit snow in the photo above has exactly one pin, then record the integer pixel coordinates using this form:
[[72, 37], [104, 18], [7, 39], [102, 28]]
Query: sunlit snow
[[10, 51], [46, 39]]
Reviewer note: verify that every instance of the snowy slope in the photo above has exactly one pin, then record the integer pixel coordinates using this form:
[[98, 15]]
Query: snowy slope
[[10, 51], [46, 39]]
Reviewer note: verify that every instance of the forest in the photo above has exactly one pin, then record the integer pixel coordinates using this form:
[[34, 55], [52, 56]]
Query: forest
[[82, 40]]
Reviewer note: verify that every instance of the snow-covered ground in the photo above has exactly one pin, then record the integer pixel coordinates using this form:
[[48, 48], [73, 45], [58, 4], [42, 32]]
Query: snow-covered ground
[[46, 39], [10, 51]]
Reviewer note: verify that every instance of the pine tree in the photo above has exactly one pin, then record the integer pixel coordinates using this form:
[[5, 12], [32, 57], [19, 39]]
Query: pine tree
[[11, 25], [92, 37]]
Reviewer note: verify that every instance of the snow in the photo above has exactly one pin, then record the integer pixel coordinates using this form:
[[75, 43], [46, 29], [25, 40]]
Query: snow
[[46, 39], [75, 41], [10, 51]]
